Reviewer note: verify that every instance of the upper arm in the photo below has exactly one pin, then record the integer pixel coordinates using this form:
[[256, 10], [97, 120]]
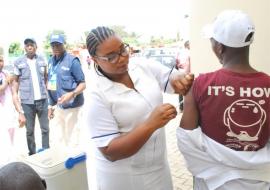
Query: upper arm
[[16, 69], [15, 85], [77, 71], [190, 117], [100, 122], [14, 91]]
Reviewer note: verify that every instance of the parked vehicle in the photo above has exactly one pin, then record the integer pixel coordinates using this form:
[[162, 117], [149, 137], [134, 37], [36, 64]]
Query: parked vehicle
[[166, 60]]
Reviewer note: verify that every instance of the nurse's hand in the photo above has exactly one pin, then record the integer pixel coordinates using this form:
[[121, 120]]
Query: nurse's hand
[[128, 144], [161, 115], [182, 83]]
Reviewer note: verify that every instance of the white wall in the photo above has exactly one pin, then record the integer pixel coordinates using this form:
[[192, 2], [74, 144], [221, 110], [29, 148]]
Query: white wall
[[204, 11]]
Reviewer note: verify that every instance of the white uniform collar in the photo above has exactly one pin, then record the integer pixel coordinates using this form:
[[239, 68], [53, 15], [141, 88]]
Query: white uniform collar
[[105, 84]]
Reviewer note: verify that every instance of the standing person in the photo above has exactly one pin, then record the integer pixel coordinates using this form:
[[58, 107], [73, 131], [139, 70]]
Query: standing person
[[184, 58], [65, 87], [7, 114], [225, 128], [88, 61], [30, 81], [125, 115], [184, 64]]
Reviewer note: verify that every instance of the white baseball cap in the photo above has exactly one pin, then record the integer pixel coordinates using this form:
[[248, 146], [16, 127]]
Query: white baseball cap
[[231, 28]]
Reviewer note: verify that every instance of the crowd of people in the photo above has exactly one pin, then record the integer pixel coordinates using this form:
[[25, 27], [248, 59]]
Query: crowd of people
[[224, 130], [48, 91]]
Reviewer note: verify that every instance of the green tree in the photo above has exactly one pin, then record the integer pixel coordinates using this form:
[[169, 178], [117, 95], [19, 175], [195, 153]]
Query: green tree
[[130, 38], [15, 49], [120, 30], [133, 38]]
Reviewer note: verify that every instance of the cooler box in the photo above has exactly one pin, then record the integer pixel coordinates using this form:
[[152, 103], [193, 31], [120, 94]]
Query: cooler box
[[63, 169]]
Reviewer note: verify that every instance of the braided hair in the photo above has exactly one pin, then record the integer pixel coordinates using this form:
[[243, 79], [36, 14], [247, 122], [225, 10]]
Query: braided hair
[[96, 37]]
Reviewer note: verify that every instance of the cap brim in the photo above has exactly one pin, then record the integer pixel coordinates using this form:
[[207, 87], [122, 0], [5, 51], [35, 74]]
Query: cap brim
[[57, 41], [29, 40], [207, 31]]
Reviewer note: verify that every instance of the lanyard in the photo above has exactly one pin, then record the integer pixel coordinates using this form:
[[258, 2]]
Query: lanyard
[[53, 69], [55, 64]]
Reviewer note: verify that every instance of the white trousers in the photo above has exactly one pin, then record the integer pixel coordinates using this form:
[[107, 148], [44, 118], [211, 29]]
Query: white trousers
[[64, 128]]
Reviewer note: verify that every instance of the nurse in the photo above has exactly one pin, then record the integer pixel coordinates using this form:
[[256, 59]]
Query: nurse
[[125, 114]]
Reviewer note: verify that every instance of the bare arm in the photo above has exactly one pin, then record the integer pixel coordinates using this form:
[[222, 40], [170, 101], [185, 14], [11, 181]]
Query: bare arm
[[16, 101], [3, 86], [190, 117], [15, 96], [68, 96], [80, 88], [130, 143], [181, 84]]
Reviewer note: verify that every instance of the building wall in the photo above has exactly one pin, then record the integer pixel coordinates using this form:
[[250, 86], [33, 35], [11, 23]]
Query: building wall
[[204, 11]]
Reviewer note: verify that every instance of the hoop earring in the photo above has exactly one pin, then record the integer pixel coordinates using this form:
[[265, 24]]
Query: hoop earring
[[100, 72]]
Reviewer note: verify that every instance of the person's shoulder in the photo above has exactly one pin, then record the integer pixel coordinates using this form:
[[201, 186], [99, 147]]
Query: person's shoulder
[[99, 89], [41, 59], [207, 75], [204, 79], [144, 64], [20, 59], [69, 55], [265, 77], [40, 56], [263, 74], [72, 58]]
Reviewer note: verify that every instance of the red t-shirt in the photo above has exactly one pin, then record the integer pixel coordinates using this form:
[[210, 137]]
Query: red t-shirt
[[234, 108]]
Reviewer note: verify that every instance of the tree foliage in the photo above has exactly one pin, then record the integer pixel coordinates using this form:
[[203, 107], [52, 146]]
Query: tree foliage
[[133, 38], [120, 30], [15, 49], [160, 41]]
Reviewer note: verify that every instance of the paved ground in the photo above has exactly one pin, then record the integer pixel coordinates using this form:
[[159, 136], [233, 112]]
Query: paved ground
[[182, 179]]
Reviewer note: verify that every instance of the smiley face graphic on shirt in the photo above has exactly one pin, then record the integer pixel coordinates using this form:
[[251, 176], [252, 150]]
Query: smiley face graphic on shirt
[[244, 119]]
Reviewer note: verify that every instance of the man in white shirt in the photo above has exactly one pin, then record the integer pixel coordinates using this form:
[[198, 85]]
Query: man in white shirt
[[30, 81]]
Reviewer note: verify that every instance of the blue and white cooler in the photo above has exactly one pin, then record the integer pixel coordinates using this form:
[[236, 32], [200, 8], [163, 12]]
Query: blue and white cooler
[[62, 168]]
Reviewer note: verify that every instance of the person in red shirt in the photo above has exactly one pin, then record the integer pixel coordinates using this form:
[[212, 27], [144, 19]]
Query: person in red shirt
[[224, 132]]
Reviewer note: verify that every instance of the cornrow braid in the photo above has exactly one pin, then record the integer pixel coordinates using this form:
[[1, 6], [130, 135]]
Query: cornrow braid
[[96, 37]]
